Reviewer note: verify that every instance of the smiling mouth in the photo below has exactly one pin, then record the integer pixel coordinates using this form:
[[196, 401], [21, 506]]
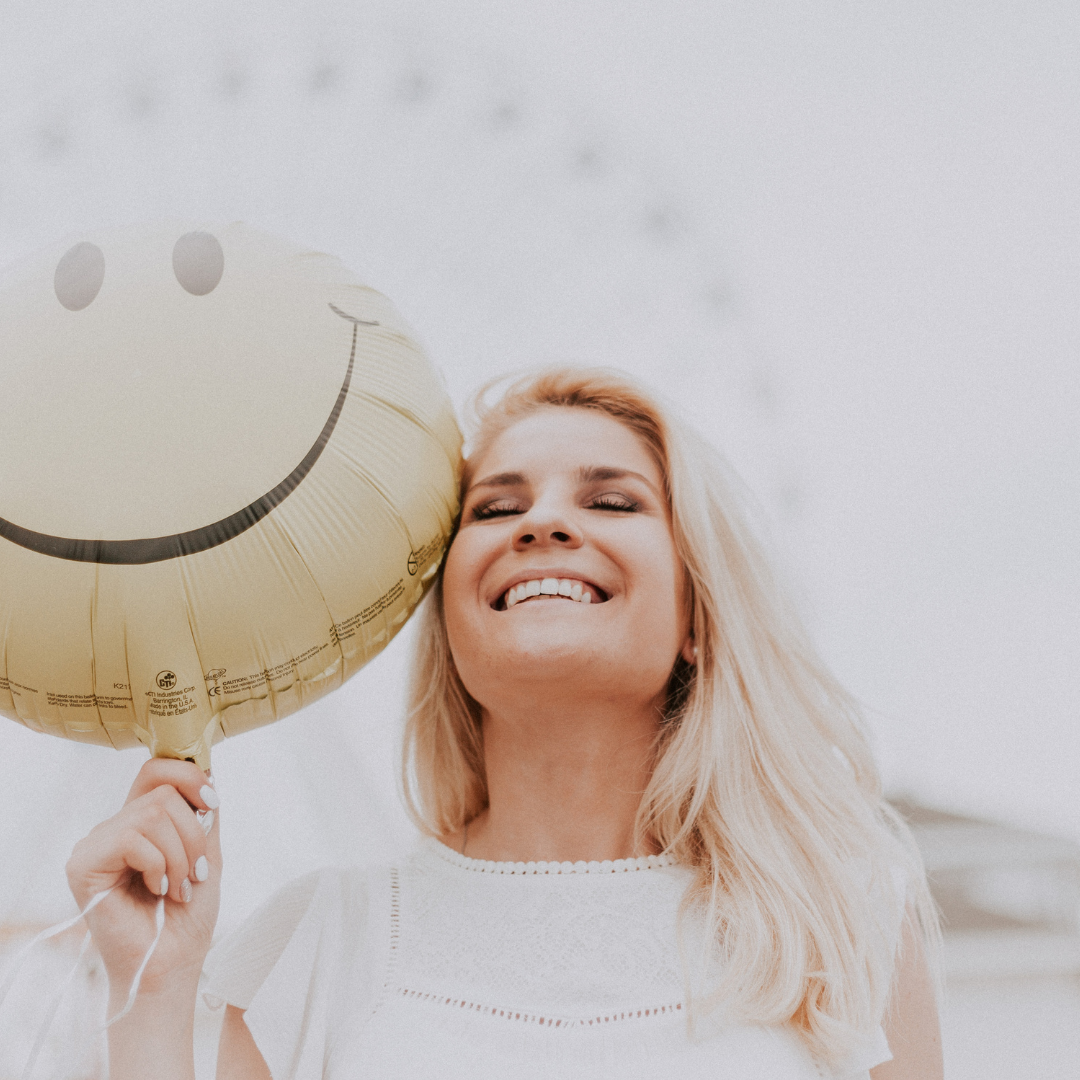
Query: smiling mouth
[[160, 548], [573, 589]]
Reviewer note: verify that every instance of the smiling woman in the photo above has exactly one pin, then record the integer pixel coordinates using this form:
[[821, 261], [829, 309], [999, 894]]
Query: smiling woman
[[656, 844]]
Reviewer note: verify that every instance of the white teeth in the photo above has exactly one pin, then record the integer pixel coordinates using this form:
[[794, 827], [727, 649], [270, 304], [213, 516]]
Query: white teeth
[[568, 587]]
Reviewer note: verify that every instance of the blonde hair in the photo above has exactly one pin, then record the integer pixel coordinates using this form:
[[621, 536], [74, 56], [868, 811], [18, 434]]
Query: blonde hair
[[764, 782]]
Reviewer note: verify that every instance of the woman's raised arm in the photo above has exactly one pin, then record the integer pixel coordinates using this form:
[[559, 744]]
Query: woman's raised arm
[[238, 1056], [911, 1021], [155, 846]]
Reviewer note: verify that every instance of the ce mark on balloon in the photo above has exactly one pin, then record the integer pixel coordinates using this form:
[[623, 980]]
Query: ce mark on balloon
[[160, 548]]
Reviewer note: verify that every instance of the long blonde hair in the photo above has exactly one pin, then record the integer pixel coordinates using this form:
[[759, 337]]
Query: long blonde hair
[[764, 782]]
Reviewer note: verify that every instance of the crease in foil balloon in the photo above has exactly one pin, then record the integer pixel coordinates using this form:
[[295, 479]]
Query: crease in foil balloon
[[340, 661], [200, 748], [93, 612], [364, 474], [402, 411]]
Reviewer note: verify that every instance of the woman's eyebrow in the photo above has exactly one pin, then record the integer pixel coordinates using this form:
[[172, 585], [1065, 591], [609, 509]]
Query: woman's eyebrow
[[589, 473], [505, 479], [586, 474]]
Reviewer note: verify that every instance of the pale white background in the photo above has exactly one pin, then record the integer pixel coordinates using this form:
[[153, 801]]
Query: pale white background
[[842, 237]]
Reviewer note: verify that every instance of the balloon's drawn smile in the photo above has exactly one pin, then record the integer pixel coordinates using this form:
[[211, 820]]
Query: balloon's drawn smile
[[160, 548]]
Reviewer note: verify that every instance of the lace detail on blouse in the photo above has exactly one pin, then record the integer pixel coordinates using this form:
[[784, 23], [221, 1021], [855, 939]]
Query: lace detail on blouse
[[608, 866], [566, 1023], [567, 940]]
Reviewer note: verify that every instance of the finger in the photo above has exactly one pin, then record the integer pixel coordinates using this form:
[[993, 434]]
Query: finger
[[185, 776], [209, 822], [145, 858], [157, 826], [98, 861], [187, 826]]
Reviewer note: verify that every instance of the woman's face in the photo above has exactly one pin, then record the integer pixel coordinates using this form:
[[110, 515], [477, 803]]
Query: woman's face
[[563, 582]]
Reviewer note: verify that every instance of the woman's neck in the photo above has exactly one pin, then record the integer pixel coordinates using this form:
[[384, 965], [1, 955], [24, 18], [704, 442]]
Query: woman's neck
[[563, 784]]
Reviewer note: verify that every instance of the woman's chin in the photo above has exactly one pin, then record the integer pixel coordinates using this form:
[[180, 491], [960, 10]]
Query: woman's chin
[[534, 654], [533, 670]]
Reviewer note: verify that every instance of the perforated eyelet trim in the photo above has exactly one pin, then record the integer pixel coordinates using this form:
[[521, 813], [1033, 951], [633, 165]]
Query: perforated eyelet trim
[[395, 940], [561, 1022], [395, 909], [485, 866]]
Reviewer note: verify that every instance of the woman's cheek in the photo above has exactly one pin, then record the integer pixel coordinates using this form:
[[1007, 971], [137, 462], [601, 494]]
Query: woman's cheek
[[460, 593]]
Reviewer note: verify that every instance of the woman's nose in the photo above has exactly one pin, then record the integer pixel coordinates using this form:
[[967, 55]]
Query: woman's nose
[[543, 527]]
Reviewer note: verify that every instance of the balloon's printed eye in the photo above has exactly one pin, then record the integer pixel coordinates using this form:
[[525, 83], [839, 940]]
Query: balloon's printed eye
[[198, 262], [79, 275]]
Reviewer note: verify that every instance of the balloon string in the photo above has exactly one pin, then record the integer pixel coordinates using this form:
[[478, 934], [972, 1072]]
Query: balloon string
[[44, 1030], [159, 919], [52, 931]]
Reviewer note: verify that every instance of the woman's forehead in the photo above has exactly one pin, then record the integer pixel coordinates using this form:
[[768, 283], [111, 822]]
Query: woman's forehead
[[559, 438]]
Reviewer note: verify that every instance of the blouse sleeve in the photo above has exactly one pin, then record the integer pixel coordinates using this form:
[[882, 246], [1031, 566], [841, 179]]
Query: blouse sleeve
[[291, 967]]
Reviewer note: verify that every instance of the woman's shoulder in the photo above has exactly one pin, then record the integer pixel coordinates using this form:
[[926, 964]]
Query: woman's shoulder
[[312, 920]]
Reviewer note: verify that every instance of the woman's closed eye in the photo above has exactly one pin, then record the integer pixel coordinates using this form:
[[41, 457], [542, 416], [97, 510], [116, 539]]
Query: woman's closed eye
[[503, 507], [496, 508], [613, 500]]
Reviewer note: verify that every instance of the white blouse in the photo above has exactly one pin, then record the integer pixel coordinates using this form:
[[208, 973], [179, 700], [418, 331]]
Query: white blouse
[[451, 967]]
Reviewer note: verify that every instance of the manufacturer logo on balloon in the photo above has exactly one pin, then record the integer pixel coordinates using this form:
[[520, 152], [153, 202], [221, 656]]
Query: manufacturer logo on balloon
[[414, 564], [214, 673], [166, 680]]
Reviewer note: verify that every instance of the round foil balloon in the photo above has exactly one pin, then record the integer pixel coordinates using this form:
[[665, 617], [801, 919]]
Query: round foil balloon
[[227, 474]]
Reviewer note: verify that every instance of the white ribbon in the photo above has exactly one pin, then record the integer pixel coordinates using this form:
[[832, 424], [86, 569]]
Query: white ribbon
[[52, 931], [44, 1030], [159, 919]]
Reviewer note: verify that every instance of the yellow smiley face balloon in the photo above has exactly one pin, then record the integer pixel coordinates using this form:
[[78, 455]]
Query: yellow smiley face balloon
[[227, 474]]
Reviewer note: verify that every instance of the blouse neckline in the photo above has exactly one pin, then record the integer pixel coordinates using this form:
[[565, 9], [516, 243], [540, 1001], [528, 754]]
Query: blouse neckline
[[487, 866]]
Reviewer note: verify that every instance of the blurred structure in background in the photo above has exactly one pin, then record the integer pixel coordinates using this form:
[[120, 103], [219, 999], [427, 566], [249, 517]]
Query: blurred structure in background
[[1010, 909], [1009, 898]]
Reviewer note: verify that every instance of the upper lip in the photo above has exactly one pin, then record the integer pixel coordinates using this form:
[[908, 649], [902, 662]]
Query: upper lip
[[538, 574]]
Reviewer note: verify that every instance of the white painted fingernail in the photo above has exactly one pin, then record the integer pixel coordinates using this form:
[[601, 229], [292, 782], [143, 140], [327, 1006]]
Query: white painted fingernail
[[210, 781], [202, 868], [206, 820], [209, 796], [164, 885], [185, 891]]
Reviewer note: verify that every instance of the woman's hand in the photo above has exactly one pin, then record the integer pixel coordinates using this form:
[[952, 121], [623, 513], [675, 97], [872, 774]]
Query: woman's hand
[[155, 841]]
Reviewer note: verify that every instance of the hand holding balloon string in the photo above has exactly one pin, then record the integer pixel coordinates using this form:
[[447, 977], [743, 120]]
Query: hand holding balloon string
[[163, 843], [156, 846]]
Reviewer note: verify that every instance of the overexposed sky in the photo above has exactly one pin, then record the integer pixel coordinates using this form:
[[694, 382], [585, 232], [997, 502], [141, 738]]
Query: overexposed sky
[[843, 237]]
